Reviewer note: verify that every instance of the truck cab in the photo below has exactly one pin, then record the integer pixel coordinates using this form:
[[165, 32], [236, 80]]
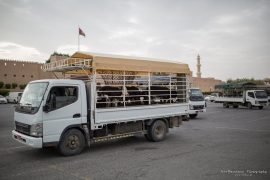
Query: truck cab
[[255, 98], [196, 102], [46, 108]]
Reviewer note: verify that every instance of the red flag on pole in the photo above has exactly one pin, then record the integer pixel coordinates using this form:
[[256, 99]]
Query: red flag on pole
[[81, 32]]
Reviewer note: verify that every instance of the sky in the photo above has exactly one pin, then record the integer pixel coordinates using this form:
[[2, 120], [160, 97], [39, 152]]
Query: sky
[[232, 36]]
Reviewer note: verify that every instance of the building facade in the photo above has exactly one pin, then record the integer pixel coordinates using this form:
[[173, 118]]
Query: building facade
[[205, 84], [21, 72]]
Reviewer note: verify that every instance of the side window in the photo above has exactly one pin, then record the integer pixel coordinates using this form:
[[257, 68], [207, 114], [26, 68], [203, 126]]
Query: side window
[[61, 96], [251, 94]]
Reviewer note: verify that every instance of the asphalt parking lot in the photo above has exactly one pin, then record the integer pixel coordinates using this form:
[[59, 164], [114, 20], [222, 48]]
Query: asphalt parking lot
[[219, 144]]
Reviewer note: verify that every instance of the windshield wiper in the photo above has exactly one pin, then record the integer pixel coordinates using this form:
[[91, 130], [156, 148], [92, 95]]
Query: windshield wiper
[[27, 104]]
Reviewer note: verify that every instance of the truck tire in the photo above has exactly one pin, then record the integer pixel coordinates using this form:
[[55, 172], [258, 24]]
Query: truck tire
[[260, 107], [249, 105], [226, 105], [147, 137], [71, 143], [235, 106], [193, 116], [157, 131]]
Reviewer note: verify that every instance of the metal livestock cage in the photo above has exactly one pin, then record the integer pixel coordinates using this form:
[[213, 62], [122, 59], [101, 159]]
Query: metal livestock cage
[[122, 81]]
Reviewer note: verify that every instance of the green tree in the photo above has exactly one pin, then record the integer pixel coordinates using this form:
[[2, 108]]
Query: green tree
[[1, 84], [4, 92], [14, 85], [56, 54], [7, 86], [22, 86], [245, 80], [229, 80]]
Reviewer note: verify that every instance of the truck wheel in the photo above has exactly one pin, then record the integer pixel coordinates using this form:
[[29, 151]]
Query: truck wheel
[[249, 105], [193, 116], [260, 107], [235, 106], [147, 137], [226, 105], [72, 143], [157, 131]]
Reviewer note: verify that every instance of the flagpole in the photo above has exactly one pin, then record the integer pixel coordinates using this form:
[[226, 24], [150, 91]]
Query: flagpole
[[78, 40]]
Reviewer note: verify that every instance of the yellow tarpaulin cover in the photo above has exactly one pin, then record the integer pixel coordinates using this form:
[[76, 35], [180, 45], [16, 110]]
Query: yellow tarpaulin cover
[[129, 63]]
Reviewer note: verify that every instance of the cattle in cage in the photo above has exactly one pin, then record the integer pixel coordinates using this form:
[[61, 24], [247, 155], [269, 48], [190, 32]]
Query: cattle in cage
[[134, 96], [158, 94], [110, 96]]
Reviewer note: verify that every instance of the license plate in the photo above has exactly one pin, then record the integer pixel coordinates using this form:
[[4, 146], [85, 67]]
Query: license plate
[[19, 138]]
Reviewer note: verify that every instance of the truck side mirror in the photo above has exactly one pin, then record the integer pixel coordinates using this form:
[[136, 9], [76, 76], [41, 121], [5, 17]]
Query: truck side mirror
[[46, 108]]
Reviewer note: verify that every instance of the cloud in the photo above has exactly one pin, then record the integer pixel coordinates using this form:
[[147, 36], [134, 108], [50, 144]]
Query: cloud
[[71, 49], [10, 50], [227, 34], [133, 20], [123, 33], [227, 19]]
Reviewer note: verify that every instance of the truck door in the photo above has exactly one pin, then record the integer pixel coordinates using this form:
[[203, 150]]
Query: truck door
[[62, 109], [250, 97]]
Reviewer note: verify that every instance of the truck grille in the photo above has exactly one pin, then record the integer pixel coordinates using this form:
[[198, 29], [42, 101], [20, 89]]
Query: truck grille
[[198, 107], [196, 98], [262, 102], [22, 128]]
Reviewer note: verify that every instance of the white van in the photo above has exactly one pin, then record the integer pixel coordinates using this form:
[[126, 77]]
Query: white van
[[14, 97]]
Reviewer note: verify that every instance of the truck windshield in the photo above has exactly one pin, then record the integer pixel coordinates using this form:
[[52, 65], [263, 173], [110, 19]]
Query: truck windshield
[[32, 97], [260, 94], [195, 92], [195, 95]]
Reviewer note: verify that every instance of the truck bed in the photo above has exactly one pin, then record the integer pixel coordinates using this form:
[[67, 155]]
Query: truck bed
[[116, 115], [229, 99]]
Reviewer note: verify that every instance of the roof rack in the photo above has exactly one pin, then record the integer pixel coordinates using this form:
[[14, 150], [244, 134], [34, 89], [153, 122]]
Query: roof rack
[[68, 64]]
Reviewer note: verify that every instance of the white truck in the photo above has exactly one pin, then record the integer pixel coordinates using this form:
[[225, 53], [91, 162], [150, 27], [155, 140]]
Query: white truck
[[249, 98], [196, 102], [120, 97], [14, 97]]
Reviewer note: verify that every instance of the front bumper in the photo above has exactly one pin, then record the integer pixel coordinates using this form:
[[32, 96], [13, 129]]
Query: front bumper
[[27, 140], [261, 104], [190, 111]]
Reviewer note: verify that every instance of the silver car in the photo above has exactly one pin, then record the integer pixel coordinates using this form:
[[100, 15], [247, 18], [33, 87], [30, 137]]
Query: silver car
[[3, 100]]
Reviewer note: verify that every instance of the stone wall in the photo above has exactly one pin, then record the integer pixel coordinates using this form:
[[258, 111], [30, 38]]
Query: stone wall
[[205, 84], [21, 72]]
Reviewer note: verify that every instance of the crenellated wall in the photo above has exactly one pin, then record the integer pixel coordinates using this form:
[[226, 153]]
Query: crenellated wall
[[205, 84], [21, 72]]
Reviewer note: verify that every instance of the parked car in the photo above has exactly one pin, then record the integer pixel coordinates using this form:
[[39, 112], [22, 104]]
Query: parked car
[[209, 98], [3, 100], [14, 97]]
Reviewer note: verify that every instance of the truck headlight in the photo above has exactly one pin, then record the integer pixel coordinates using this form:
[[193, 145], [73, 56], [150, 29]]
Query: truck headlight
[[256, 102], [191, 107], [36, 130]]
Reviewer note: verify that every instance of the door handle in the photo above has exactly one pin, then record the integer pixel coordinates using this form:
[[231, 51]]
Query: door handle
[[77, 115]]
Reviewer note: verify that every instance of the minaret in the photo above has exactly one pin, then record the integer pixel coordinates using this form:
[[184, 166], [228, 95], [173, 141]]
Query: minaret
[[199, 74]]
